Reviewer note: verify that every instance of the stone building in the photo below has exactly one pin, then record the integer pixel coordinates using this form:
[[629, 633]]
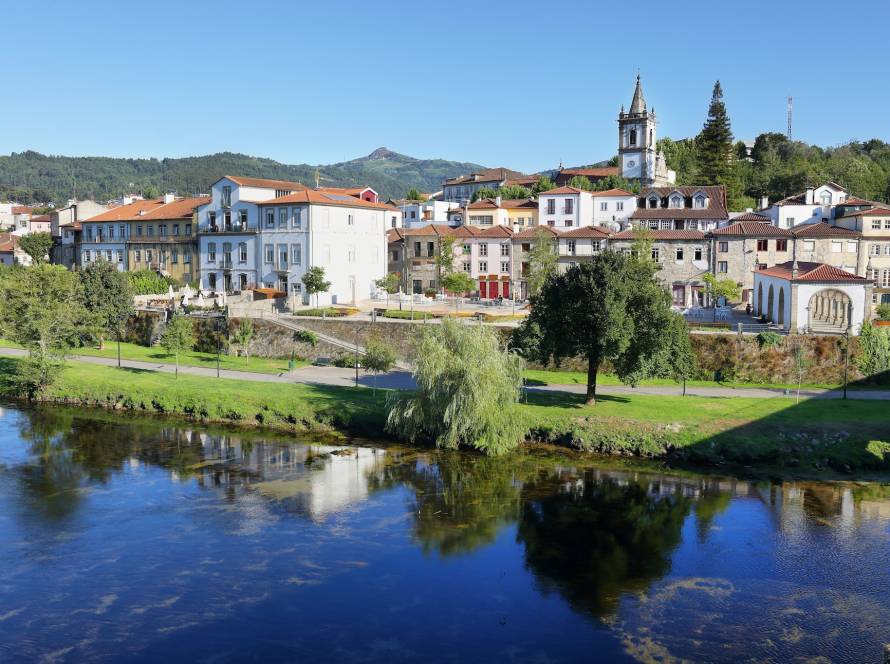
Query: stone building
[[832, 245], [522, 245], [694, 208], [580, 245], [743, 247]]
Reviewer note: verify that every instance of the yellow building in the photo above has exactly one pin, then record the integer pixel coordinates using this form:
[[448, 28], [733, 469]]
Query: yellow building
[[516, 214]]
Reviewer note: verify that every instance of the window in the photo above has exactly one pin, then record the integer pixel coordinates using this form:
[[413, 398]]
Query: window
[[551, 207], [696, 253], [108, 255], [174, 256], [137, 256], [350, 220], [110, 231], [150, 230], [350, 254], [722, 267], [699, 202], [653, 202], [242, 252], [632, 137], [270, 218], [876, 224], [887, 224], [148, 255], [483, 267], [809, 245], [483, 249], [526, 246], [466, 266], [122, 230], [619, 206], [569, 206], [188, 229], [653, 225], [211, 252], [282, 218], [186, 257], [762, 245], [297, 218], [885, 278], [679, 254], [413, 214], [282, 254], [666, 224], [242, 218], [875, 250], [604, 206], [430, 249], [723, 247], [887, 249], [465, 249], [162, 230], [139, 230], [120, 256], [505, 249], [692, 224], [296, 254], [676, 202], [781, 245], [595, 246], [656, 254], [296, 287], [175, 229], [852, 246], [417, 249], [227, 196], [825, 198], [789, 221], [481, 220], [836, 246], [211, 220], [392, 223], [269, 253], [505, 266], [570, 246]]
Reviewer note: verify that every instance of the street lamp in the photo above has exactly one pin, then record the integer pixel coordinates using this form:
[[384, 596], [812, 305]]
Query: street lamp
[[119, 319]]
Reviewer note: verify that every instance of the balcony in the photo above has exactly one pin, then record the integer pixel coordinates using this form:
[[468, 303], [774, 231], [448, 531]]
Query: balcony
[[226, 264], [230, 228], [567, 210]]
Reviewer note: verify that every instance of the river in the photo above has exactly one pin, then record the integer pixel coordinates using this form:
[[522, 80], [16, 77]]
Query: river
[[140, 540]]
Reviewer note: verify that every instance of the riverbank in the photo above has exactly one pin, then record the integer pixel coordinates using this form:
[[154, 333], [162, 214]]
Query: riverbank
[[813, 437]]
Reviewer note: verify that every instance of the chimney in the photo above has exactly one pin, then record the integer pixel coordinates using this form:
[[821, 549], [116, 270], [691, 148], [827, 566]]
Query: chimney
[[794, 269], [169, 198], [809, 195], [497, 201], [127, 200], [764, 202]]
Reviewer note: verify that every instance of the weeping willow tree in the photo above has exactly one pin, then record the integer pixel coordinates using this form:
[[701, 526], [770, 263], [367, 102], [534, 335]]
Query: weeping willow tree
[[467, 391]]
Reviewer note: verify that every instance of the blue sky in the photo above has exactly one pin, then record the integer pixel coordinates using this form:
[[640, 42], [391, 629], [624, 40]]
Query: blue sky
[[518, 84]]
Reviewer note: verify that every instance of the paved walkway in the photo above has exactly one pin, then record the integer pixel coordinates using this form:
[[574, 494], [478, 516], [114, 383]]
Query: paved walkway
[[404, 380]]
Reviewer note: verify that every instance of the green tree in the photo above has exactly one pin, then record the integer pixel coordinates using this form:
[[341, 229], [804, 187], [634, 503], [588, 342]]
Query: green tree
[[714, 143], [610, 309], [243, 335], [414, 194], [615, 182], [389, 283], [874, 351], [151, 192], [178, 337], [581, 182], [108, 295], [727, 289], [543, 183], [445, 256], [458, 283], [514, 192], [314, 282], [467, 391], [42, 309], [542, 261], [379, 358], [484, 192], [37, 246]]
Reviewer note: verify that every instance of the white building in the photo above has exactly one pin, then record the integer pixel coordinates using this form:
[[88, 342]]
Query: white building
[[613, 207], [104, 239], [812, 297], [565, 208], [419, 213], [812, 206]]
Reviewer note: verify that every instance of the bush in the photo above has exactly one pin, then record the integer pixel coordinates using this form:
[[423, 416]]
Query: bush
[[874, 360], [306, 336], [406, 314], [430, 292], [883, 311], [769, 339], [331, 312], [347, 361], [147, 282]]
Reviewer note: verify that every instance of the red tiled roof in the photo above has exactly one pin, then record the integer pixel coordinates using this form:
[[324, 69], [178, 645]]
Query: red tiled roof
[[716, 203], [823, 230], [873, 212], [565, 190], [598, 172], [753, 216], [752, 229], [440, 230], [264, 183], [588, 231], [394, 235], [41, 217], [661, 235], [497, 231], [488, 175], [533, 232], [180, 208], [321, 197], [811, 272], [612, 192], [509, 203], [8, 242], [22, 209]]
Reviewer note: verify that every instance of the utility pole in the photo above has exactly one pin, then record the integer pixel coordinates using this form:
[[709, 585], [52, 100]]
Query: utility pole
[[846, 357]]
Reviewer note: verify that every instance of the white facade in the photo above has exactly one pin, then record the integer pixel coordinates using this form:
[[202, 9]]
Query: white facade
[[814, 205], [565, 208], [613, 210], [104, 240], [420, 213]]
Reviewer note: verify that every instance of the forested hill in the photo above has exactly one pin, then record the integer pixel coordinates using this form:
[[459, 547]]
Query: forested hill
[[31, 177]]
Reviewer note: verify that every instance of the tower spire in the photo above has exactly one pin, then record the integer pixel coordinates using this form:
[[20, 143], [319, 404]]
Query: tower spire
[[638, 105]]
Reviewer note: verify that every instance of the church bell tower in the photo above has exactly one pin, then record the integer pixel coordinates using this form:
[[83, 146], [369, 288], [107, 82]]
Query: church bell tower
[[637, 154]]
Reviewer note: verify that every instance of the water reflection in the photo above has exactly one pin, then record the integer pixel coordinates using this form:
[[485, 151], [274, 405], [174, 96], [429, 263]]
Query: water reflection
[[133, 532]]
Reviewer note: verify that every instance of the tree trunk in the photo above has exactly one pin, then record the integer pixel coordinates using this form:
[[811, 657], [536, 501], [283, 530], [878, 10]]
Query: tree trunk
[[177, 365], [593, 365], [102, 342]]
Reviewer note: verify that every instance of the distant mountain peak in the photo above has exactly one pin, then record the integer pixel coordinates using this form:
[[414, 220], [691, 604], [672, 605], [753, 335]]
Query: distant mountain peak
[[382, 153]]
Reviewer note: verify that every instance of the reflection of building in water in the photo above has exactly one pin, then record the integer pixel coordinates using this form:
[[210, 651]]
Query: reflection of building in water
[[315, 479]]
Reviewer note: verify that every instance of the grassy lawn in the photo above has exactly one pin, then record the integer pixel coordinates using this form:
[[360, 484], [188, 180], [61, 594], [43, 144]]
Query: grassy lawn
[[193, 358], [580, 378]]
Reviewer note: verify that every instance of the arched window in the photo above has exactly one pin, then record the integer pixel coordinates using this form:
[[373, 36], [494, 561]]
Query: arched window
[[632, 138], [825, 198], [699, 201], [676, 201], [653, 202], [650, 137]]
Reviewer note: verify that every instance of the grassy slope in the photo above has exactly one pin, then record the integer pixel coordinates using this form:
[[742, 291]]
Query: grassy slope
[[809, 436]]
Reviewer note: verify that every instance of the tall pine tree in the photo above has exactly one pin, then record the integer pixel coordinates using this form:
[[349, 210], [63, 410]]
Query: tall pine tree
[[714, 143]]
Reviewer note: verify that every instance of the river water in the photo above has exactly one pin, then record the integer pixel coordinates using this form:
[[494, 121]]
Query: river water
[[129, 539]]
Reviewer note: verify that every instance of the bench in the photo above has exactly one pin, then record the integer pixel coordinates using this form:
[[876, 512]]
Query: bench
[[322, 362]]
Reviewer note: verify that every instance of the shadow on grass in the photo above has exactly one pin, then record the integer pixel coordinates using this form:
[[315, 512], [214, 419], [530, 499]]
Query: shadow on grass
[[135, 370], [566, 399]]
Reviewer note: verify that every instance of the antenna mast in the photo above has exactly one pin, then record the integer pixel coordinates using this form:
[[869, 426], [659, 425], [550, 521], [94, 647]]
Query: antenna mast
[[789, 117]]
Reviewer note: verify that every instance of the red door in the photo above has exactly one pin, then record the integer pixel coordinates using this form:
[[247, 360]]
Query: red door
[[506, 290], [482, 287]]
